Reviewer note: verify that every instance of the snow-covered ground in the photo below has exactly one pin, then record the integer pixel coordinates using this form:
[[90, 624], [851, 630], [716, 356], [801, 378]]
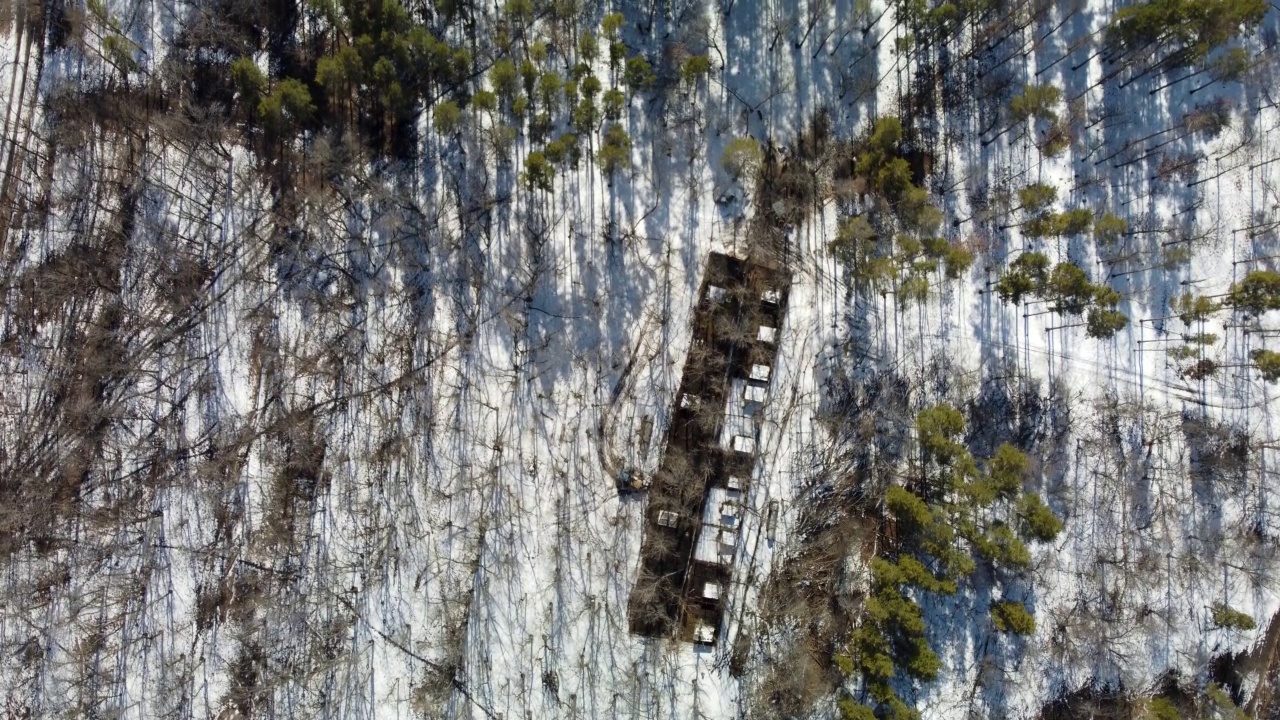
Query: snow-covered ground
[[375, 476]]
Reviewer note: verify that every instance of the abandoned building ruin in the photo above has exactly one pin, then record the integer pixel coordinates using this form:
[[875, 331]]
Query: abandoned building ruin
[[696, 499]]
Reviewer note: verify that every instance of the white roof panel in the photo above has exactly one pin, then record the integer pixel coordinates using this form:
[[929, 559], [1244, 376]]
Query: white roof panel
[[760, 373]]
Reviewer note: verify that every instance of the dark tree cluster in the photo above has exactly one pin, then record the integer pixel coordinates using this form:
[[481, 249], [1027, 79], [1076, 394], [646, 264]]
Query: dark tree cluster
[[1067, 289], [1186, 30], [952, 520]]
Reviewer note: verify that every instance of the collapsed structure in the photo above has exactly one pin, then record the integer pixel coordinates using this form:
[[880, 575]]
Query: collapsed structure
[[698, 495]]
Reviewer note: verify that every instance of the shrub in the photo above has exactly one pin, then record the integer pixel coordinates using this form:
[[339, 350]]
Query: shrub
[[938, 426], [289, 104], [249, 80], [1225, 616], [1007, 469], [1038, 521], [614, 103], [695, 68], [913, 289], [1027, 275], [1037, 197], [1073, 222], [585, 115], [1003, 548], [538, 172], [922, 663], [1258, 292], [958, 261], [445, 117], [1109, 228], [588, 46], [741, 156], [1012, 617], [913, 572], [871, 648], [485, 100], [1202, 369], [1210, 119], [1161, 709], [853, 234], [1069, 288], [1192, 308], [615, 151], [908, 507], [638, 75], [611, 24], [549, 86], [850, 710], [1036, 101], [1102, 323], [504, 79], [1268, 363]]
